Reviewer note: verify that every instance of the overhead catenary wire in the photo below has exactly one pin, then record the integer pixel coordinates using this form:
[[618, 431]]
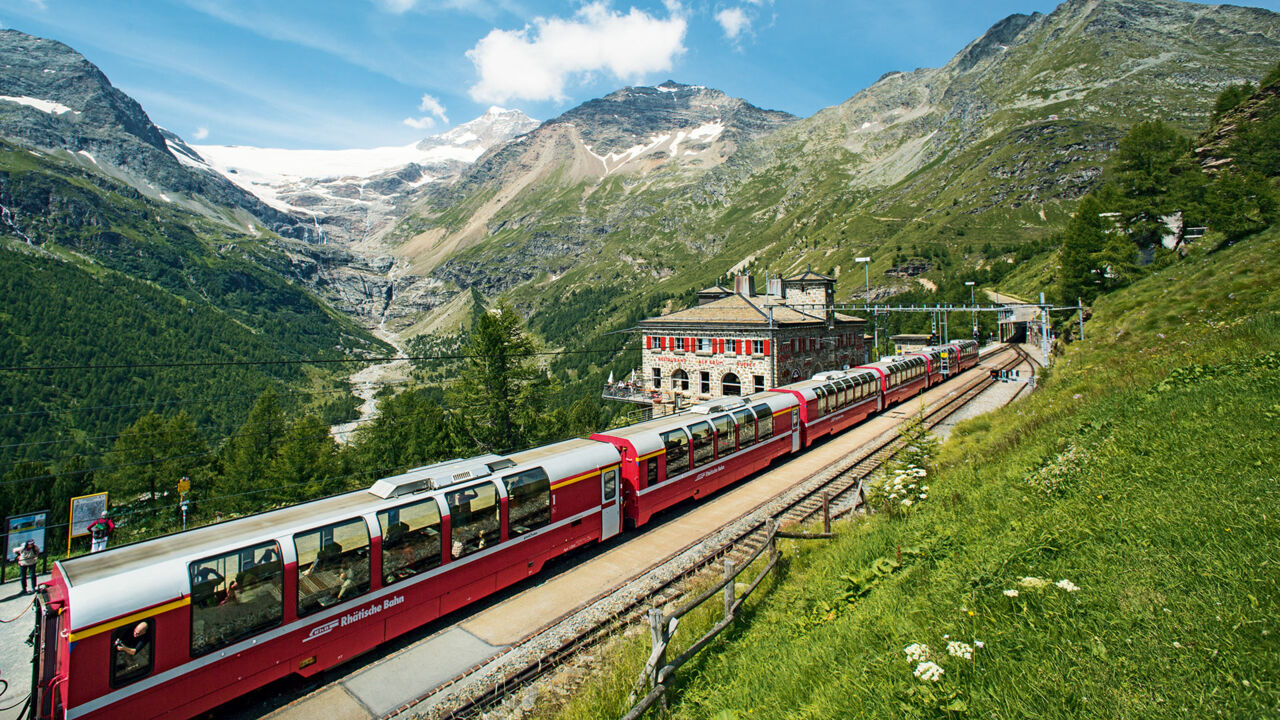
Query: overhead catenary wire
[[297, 361]]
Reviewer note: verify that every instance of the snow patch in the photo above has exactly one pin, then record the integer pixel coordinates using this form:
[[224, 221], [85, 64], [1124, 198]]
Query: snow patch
[[276, 166], [49, 106], [86, 154], [165, 198], [708, 132]]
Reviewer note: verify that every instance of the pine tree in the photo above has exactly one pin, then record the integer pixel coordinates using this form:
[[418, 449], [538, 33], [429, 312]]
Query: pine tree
[[501, 390]]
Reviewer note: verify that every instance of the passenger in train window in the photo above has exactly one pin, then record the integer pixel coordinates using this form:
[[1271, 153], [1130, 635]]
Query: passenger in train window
[[131, 653]]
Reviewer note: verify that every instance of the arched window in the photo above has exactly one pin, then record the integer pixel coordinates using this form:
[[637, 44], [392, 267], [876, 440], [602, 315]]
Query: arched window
[[679, 380], [729, 385]]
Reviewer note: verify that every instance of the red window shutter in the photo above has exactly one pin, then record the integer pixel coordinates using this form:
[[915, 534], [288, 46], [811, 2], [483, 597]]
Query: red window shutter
[[688, 344], [648, 342], [766, 347]]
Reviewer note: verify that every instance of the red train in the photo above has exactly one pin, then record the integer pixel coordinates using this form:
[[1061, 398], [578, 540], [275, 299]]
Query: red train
[[176, 626]]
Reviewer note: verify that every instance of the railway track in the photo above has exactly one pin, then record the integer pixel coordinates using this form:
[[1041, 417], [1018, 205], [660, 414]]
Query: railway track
[[840, 489]]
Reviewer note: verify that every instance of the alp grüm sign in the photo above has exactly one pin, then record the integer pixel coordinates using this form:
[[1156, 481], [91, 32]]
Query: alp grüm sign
[[353, 617]]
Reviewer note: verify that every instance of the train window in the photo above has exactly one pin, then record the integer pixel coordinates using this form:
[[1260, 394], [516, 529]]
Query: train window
[[724, 435], [834, 401], [333, 564], [817, 408], [235, 595], [764, 421], [702, 443], [474, 519], [677, 445], [649, 470], [528, 501], [410, 540], [131, 652], [746, 427]]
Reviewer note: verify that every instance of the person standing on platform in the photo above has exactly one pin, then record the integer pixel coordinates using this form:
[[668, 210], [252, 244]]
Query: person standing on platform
[[100, 531], [27, 556]]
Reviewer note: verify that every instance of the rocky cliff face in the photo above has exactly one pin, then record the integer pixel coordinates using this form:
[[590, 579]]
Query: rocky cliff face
[[53, 99]]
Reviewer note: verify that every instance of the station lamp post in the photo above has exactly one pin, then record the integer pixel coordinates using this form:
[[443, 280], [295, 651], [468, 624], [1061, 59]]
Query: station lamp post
[[866, 272], [975, 310]]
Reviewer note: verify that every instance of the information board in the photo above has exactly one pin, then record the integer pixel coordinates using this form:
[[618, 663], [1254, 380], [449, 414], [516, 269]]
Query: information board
[[84, 510], [21, 528]]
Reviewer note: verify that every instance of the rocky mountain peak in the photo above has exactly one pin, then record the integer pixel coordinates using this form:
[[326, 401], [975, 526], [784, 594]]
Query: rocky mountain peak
[[628, 117], [497, 125]]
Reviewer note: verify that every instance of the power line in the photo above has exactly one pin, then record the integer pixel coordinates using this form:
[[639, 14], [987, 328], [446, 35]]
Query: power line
[[300, 361]]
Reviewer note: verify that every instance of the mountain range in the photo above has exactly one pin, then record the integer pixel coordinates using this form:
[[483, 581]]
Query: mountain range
[[637, 198]]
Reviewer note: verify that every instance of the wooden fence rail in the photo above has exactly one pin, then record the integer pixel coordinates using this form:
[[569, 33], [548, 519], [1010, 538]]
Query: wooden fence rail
[[657, 672]]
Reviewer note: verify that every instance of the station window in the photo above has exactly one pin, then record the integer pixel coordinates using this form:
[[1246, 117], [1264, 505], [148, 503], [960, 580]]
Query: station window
[[528, 501], [657, 378], [474, 519], [132, 656], [757, 383], [677, 446], [724, 435], [704, 344], [703, 447], [235, 595], [764, 421], [705, 377], [333, 564], [757, 347], [746, 427], [410, 540]]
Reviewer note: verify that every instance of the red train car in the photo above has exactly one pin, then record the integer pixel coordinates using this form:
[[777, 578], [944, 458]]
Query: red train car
[[900, 377], [175, 626], [933, 365], [832, 401], [688, 455]]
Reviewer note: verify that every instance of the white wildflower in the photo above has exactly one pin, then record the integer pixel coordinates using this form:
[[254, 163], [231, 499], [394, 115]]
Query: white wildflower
[[1033, 582], [919, 472], [1067, 585], [1011, 593], [979, 644], [924, 488], [923, 496], [929, 671], [906, 502], [960, 650], [917, 652]]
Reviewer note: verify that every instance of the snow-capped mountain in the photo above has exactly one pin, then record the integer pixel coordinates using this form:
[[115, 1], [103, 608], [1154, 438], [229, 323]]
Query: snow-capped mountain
[[352, 195]]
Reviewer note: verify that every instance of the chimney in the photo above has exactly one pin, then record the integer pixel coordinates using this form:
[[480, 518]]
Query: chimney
[[743, 286], [774, 285]]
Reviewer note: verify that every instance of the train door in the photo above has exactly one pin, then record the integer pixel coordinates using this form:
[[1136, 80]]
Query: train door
[[795, 429], [45, 692], [611, 506]]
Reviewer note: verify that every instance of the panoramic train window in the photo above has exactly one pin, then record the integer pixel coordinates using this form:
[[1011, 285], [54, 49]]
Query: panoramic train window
[[235, 595], [834, 399], [818, 407], [764, 421], [746, 427], [410, 540], [702, 443], [677, 445], [474, 519], [131, 652], [724, 435], [528, 501], [649, 470], [333, 564]]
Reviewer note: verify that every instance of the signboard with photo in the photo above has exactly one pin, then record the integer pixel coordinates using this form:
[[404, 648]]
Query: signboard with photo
[[21, 528], [84, 510]]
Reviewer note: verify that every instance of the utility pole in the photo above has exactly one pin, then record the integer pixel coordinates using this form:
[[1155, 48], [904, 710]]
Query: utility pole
[[866, 273], [975, 310], [1044, 329], [1080, 307]]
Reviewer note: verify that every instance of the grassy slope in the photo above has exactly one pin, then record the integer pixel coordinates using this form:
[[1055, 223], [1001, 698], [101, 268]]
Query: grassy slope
[[1157, 436]]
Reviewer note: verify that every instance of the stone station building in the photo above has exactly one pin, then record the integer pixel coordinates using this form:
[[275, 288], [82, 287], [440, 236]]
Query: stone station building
[[735, 342]]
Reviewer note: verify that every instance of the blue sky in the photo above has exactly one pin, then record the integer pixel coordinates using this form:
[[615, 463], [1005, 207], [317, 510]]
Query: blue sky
[[364, 73]]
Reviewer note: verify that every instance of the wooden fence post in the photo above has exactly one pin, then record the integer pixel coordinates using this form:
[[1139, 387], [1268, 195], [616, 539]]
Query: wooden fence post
[[728, 589], [771, 527], [826, 512]]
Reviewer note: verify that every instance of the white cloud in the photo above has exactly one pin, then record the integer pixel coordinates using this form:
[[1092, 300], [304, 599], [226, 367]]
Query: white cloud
[[200, 133], [536, 62], [733, 21], [428, 105], [422, 123]]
